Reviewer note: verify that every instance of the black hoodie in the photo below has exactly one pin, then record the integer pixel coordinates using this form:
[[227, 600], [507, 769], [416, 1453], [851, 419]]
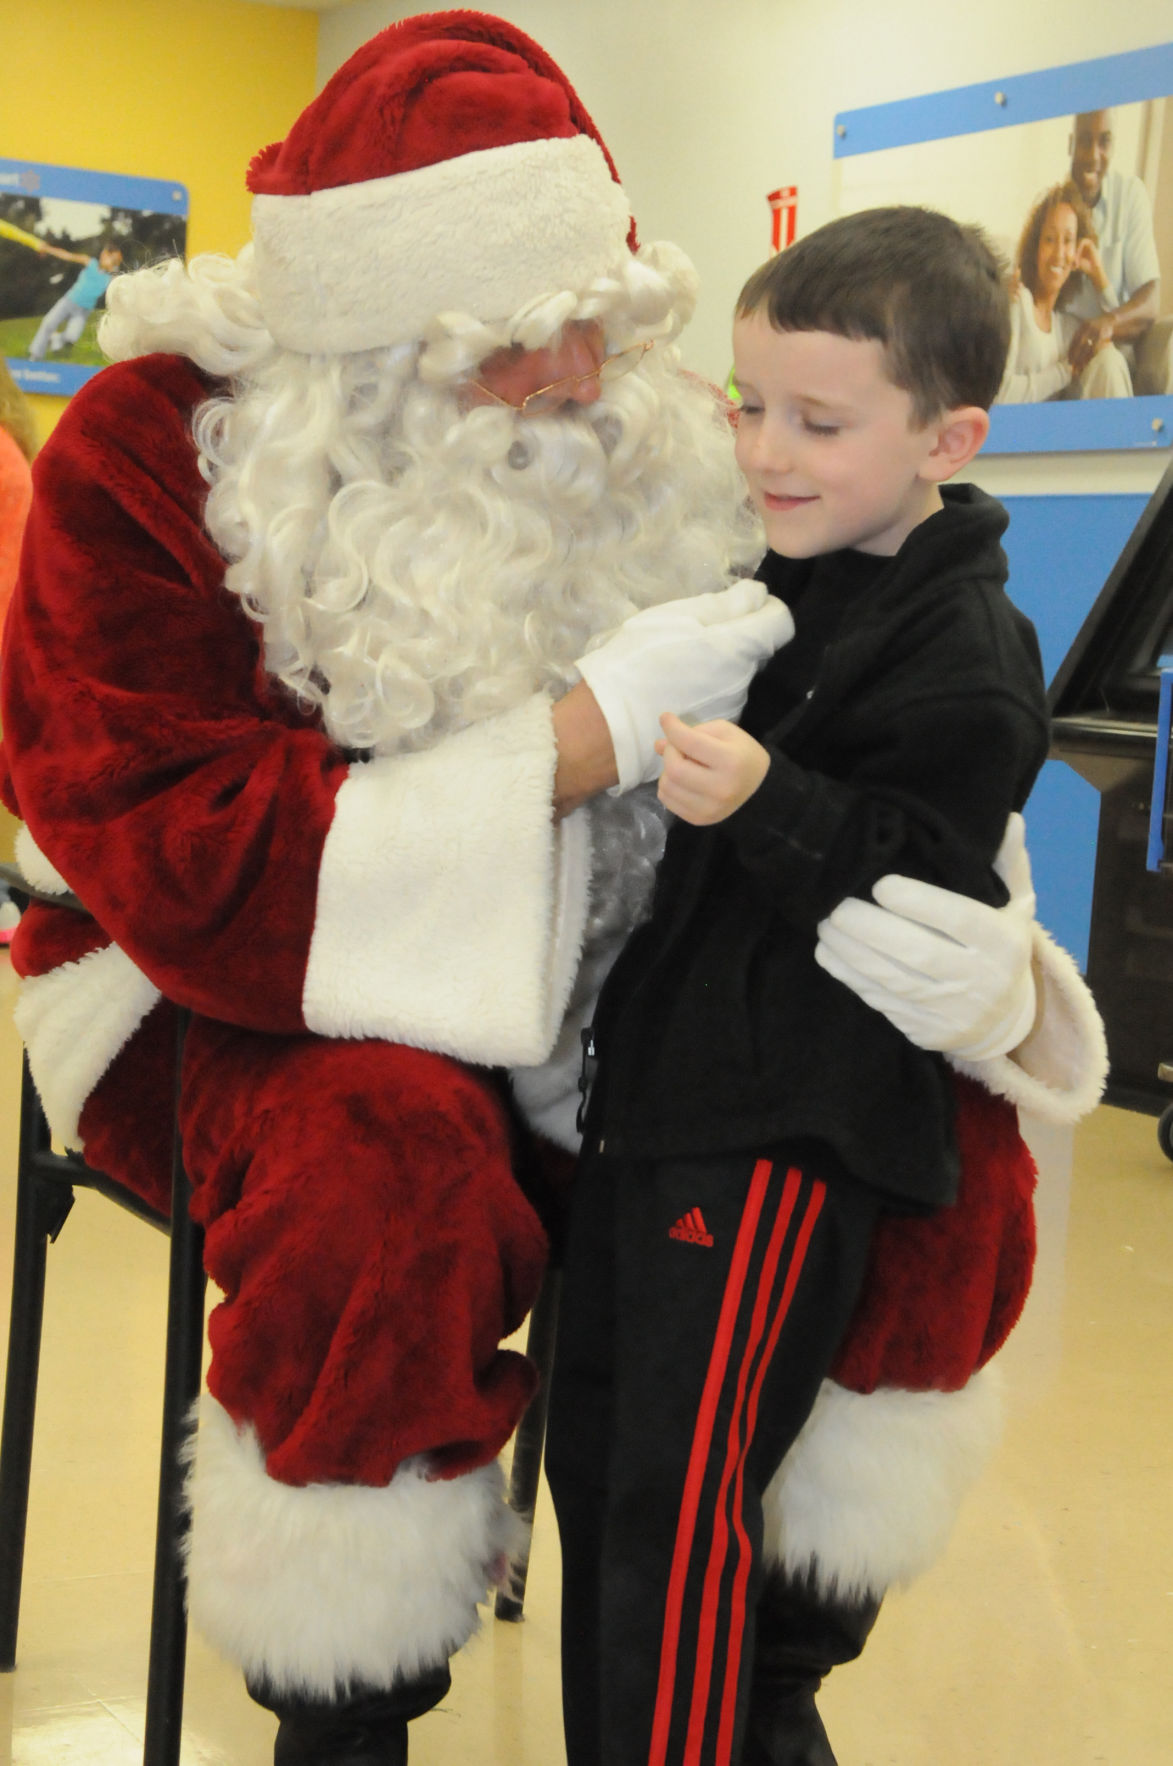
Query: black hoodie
[[904, 722]]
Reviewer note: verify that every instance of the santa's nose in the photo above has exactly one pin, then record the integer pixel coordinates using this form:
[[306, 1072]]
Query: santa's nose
[[582, 351], [585, 390]]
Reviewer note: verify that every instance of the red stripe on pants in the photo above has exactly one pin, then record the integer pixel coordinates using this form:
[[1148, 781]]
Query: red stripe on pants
[[707, 1628], [702, 1439], [737, 1444], [737, 1625]]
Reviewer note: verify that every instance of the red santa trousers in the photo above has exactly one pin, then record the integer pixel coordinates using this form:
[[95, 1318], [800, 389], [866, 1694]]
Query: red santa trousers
[[373, 1247], [365, 1227]]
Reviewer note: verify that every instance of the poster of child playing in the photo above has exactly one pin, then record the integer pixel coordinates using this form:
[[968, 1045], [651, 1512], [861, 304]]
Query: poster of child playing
[[65, 233]]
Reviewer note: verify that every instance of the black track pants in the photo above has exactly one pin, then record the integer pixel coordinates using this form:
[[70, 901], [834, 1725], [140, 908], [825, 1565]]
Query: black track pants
[[702, 1304]]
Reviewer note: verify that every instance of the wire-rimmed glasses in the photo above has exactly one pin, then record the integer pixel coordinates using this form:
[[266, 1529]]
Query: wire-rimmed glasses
[[552, 397]]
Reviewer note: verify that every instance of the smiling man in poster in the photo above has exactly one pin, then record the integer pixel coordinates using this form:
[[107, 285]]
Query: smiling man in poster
[[1118, 297]]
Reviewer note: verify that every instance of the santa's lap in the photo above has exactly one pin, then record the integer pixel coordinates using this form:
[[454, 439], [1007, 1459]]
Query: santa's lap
[[366, 1229]]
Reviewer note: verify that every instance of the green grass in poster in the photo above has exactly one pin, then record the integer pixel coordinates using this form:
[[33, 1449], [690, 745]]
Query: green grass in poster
[[17, 334]]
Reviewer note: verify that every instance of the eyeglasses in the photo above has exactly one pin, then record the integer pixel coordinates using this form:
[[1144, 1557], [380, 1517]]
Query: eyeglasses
[[550, 398]]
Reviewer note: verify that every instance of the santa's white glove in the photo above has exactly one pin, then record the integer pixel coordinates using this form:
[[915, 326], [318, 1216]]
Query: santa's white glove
[[950, 973], [695, 657]]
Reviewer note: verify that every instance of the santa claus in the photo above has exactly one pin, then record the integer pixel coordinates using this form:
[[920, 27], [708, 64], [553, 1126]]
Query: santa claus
[[293, 702]]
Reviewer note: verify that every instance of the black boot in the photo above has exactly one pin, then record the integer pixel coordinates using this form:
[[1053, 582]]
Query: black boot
[[801, 1635], [360, 1728]]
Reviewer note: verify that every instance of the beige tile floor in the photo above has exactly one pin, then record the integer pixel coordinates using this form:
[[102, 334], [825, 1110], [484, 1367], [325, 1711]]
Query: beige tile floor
[[1044, 1638]]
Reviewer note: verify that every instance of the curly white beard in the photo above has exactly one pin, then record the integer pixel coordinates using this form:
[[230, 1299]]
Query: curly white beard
[[416, 566]]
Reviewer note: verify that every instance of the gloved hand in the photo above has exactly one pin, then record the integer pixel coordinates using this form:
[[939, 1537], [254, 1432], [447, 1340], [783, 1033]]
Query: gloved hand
[[696, 657], [952, 974]]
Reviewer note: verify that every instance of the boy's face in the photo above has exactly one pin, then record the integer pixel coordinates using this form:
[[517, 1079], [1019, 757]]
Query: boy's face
[[827, 443], [109, 258]]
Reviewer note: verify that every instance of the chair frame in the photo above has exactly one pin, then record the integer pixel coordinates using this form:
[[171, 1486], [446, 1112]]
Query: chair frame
[[45, 1187], [525, 1469]]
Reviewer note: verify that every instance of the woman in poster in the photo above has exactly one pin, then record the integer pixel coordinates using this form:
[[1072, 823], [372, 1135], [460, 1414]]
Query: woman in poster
[[1058, 243]]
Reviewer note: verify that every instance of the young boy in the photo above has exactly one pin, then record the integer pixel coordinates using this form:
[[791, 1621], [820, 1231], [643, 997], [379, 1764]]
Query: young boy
[[753, 1129]]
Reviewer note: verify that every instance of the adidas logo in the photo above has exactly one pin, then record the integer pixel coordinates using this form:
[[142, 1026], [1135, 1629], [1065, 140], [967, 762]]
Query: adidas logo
[[691, 1228]]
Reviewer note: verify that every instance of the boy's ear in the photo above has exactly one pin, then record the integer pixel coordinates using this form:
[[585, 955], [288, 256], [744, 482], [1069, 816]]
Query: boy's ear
[[959, 435]]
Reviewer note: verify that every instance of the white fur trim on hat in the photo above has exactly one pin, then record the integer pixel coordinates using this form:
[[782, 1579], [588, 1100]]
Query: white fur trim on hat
[[868, 1494], [73, 1020], [1060, 1071], [360, 266], [313, 1588], [451, 906]]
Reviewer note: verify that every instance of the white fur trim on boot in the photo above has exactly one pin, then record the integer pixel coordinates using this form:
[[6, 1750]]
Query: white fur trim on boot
[[868, 1494], [1060, 1071], [451, 907], [313, 1589], [73, 1020]]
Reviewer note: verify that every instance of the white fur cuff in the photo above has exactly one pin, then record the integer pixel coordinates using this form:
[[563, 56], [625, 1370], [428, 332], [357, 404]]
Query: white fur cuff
[[36, 867], [313, 1589], [73, 1021], [868, 1494], [450, 906], [1060, 1071]]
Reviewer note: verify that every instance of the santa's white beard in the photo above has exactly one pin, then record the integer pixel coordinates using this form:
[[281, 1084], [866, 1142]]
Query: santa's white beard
[[416, 579], [419, 567]]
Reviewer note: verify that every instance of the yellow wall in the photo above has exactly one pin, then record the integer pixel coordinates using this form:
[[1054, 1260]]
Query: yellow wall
[[156, 89]]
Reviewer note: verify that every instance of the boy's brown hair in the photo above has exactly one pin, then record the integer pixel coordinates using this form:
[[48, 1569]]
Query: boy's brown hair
[[930, 290]]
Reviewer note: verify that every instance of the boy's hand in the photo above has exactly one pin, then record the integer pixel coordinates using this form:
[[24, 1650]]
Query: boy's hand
[[697, 655], [709, 769]]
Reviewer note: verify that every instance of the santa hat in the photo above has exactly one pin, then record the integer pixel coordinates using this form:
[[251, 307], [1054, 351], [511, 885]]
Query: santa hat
[[447, 166]]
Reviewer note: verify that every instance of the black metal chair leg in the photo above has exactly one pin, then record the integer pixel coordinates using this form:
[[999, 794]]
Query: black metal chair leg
[[181, 1385], [41, 1208], [526, 1469], [44, 1197]]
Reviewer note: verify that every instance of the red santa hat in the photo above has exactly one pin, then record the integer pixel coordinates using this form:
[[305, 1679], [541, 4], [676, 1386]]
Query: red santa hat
[[447, 166]]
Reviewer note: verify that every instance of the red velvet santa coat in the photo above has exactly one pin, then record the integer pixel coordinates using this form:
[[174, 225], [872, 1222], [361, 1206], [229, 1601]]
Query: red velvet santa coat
[[220, 839], [236, 862], [233, 860], [318, 916]]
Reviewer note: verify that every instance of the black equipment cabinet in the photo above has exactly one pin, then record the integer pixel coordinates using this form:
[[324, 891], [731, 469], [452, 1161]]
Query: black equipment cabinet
[[1104, 707]]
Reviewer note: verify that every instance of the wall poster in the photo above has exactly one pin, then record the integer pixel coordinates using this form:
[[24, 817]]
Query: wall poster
[[1070, 172], [65, 233]]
